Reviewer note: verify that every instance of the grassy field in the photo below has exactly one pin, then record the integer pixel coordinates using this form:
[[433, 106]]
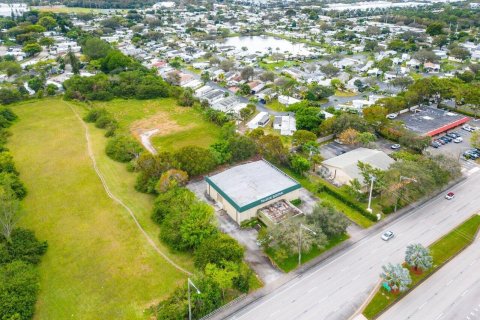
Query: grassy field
[[276, 106], [98, 264], [179, 126], [442, 250]]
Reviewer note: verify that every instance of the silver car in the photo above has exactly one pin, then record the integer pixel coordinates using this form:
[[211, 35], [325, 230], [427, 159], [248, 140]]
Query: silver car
[[387, 235]]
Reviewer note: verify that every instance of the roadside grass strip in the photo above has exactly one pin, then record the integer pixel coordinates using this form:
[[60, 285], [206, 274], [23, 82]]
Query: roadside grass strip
[[442, 251]]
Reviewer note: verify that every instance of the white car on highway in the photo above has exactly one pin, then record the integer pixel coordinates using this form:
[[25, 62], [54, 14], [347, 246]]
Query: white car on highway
[[387, 235]]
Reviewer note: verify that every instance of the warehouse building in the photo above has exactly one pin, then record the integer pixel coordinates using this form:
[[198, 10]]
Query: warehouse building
[[244, 189]]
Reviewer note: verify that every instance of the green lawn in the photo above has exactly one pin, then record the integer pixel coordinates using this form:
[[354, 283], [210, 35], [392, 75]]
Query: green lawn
[[291, 262], [276, 106], [339, 93], [442, 250], [98, 264], [179, 126], [311, 185]]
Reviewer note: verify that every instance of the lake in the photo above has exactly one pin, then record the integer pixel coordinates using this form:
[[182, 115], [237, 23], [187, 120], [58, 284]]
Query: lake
[[263, 43], [17, 8]]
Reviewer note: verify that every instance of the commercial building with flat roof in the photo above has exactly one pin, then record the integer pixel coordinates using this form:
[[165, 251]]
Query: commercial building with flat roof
[[244, 189]]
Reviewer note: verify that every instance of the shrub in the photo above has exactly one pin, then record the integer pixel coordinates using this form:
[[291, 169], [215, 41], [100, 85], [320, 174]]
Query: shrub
[[217, 249], [24, 246], [123, 148], [195, 160], [173, 200], [18, 290]]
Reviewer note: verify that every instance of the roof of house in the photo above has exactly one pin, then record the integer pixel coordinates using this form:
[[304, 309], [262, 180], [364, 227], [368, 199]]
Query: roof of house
[[248, 185], [348, 162]]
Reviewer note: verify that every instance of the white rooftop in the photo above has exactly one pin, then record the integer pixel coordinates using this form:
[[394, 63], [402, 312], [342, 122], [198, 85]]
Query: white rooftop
[[253, 182]]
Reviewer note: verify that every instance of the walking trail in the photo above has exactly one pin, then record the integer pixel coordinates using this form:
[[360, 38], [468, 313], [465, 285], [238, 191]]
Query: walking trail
[[120, 202]]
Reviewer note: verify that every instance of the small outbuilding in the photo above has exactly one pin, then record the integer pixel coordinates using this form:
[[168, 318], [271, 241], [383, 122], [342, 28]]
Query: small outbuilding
[[244, 189]]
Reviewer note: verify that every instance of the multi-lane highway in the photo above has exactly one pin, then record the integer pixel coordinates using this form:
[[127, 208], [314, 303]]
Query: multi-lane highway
[[337, 287], [453, 292]]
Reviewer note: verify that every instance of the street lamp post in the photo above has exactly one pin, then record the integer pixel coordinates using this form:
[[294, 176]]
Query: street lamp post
[[372, 179], [400, 181], [190, 283], [300, 241]]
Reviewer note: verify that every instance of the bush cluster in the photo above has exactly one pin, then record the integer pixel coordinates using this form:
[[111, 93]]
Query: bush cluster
[[103, 120]]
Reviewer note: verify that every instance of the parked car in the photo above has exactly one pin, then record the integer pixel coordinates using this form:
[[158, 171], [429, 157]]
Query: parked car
[[391, 116], [436, 144], [444, 139], [440, 141], [453, 135], [450, 196], [458, 140], [387, 235], [395, 146], [447, 138], [468, 128]]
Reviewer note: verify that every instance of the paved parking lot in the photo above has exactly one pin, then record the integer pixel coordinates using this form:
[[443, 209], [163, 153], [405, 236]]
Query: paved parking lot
[[334, 149]]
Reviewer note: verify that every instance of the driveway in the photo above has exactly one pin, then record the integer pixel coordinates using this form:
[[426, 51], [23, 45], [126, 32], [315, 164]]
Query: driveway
[[334, 149], [254, 255]]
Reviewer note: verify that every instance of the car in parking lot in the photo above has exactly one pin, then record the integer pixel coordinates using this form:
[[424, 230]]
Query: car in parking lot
[[450, 196], [472, 154], [469, 128], [458, 140], [395, 146], [387, 235], [445, 139], [453, 135], [436, 144]]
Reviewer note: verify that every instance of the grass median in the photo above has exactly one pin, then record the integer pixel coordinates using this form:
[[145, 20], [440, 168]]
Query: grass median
[[442, 251]]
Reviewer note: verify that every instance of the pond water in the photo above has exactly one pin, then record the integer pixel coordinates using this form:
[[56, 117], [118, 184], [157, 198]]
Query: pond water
[[262, 44], [7, 9]]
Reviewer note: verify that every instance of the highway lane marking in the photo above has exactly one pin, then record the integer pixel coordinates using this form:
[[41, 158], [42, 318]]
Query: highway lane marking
[[320, 301], [423, 305], [449, 282], [356, 277], [356, 246], [439, 316], [464, 293], [313, 289]]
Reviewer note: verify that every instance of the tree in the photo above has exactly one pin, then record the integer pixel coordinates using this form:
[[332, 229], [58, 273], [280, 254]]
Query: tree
[[19, 285], [329, 69], [440, 40], [195, 160], [268, 76], [9, 212], [31, 49], [241, 148], [205, 76], [300, 137], [8, 96], [397, 277], [286, 235], [418, 257], [73, 60], [197, 226], [299, 164], [309, 118], [227, 65], [272, 149], [330, 221], [174, 199], [371, 45], [115, 61], [217, 249], [47, 22], [223, 275], [10, 67], [317, 92], [123, 148], [347, 120], [460, 53], [24, 246], [425, 55], [171, 179], [46, 42], [366, 138], [349, 136], [435, 28], [385, 64], [402, 82], [475, 139], [95, 48], [375, 115], [247, 73]]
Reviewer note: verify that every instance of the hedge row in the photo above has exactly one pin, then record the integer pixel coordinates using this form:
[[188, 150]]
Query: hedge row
[[323, 187]]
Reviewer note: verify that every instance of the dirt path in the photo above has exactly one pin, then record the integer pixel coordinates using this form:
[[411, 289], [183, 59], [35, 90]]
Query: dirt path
[[120, 202], [145, 139]]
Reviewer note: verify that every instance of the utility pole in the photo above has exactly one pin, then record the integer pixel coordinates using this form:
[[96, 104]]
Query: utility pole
[[400, 185], [190, 283], [300, 241], [372, 179]]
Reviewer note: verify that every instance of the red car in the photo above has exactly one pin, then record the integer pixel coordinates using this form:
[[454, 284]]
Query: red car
[[450, 196]]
